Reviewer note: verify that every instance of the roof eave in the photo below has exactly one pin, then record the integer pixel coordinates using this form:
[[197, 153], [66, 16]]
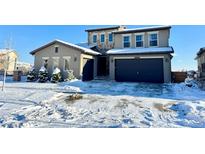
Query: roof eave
[[142, 30], [55, 41], [169, 52], [100, 29]]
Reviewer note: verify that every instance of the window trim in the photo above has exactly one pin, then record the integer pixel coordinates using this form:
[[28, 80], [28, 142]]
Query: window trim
[[143, 39], [96, 38], [100, 38], [155, 32], [130, 36], [66, 58], [45, 58]]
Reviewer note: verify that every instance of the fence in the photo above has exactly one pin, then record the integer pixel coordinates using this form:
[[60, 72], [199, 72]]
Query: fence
[[178, 77]]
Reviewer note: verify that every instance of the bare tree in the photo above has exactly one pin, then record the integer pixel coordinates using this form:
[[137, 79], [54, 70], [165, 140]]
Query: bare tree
[[5, 60]]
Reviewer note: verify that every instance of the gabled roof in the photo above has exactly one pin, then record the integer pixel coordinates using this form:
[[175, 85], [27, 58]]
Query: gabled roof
[[103, 28], [151, 50], [5, 51], [82, 49], [142, 29]]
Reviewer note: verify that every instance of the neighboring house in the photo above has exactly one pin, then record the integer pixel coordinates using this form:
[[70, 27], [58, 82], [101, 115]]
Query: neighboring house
[[66, 56], [8, 59], [24, 67], [201, 62], [117, 53]]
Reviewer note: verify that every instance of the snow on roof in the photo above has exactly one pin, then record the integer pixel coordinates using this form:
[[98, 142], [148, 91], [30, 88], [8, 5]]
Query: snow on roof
[[22, 63], [141, 50], [85, 50], [4, 51], [144, 29], [202, 50], [86, 45]]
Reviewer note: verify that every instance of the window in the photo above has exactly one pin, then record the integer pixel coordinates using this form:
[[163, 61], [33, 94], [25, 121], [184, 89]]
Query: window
[[110, 37], [203, 67], [55, 62], [139, 40], [126, 41], [66, 63], [45, 62], [102, 38], [95, 38], [56, 49], [153, 39]]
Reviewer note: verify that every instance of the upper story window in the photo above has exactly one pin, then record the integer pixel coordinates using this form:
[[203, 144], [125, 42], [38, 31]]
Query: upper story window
[[153, 39], [139, 40], [94, 38], [102, 38], [126, 41], [56, 49], [110, 37]]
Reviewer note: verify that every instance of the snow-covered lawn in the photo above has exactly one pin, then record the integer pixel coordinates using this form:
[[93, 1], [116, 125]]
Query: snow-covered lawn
[[104, 104]]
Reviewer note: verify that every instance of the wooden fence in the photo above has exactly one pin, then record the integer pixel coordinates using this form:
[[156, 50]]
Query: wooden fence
[[178, 77]]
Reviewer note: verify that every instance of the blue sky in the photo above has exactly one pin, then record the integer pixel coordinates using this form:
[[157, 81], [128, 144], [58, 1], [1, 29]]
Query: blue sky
[[186, 40]]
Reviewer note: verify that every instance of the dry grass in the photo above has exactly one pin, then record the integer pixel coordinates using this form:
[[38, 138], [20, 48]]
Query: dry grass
[[73, 97], [161, 107]]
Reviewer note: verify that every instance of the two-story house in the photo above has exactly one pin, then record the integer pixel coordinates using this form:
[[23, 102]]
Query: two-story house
[[133, 55], [117, 53], [8, 60]]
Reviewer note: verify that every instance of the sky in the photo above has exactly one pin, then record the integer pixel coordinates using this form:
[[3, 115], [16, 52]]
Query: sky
[[185, 39]]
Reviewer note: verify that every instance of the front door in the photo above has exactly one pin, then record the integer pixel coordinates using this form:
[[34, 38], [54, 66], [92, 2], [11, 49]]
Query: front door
[[88, 69], [102, 66]]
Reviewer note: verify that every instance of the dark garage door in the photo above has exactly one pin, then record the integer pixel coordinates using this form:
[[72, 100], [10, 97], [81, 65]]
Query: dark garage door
[[139, 70], [88, 69]]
